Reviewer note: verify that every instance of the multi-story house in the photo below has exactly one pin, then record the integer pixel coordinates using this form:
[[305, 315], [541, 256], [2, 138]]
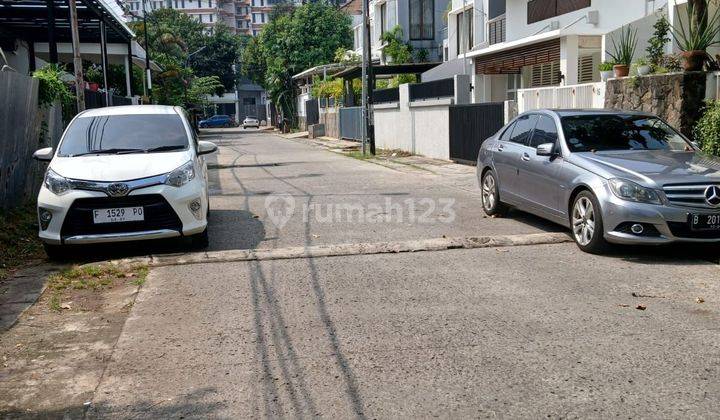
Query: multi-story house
[[422, 23], [512, 44], [242, 16]]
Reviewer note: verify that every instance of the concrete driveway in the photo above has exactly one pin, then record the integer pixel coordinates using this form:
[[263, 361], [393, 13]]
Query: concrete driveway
[[531, 331]]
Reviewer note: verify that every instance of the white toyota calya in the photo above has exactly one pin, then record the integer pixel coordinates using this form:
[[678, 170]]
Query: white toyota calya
[[122, 174]]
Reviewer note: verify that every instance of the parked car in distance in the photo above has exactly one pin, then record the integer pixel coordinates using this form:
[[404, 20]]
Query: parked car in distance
[[251, 122], [217, 121], [610, 176], [122, 174]]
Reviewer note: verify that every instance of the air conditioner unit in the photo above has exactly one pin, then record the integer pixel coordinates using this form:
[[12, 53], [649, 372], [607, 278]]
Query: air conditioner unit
[[554, 25]]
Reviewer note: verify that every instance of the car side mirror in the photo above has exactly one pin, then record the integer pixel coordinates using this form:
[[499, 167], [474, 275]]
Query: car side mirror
[[206, 147], [546, 149], [43, 155]]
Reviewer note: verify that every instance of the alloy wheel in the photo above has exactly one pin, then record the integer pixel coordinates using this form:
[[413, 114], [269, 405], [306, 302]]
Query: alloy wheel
[[488, 192], [583, 220]]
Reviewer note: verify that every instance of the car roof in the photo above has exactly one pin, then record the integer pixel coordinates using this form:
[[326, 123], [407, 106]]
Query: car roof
[[129, 110], [576, 112]]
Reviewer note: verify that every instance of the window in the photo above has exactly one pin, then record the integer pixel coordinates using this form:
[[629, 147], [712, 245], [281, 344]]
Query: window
[[523, 127], [465, 31], [422, 19], [585, 133], [545, 132], [507, 133], [383, 18], [538, 10], [586, 68], [142, 131], [248, 101], [513, 84], [546, 74]]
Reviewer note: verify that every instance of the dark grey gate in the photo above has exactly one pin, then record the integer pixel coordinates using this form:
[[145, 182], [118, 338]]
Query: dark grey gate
[[350, 120], [312, 112], [470, 126]]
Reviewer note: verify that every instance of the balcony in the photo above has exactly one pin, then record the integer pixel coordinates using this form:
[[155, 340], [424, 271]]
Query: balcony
[[496, 30]]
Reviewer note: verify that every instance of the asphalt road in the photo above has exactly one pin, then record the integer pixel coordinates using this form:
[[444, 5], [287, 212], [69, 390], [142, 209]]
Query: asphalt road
[[500, 332]]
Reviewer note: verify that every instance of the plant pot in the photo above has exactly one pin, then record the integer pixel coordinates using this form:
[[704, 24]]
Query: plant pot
[[693, 60], [644, 70], [621, 70], [606, 74], [94, 86]]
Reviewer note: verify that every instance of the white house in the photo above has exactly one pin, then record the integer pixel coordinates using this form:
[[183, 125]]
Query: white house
[[514, 44], [422, 22]]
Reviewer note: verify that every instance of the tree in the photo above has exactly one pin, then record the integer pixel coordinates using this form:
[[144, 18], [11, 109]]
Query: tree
[[222, 50], [308, 36]]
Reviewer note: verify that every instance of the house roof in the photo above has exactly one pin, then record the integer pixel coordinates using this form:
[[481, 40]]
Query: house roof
[[321, 69], [30, 20]]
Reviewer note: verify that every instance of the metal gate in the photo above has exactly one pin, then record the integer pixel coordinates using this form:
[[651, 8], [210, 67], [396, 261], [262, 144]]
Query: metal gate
[[312, 112], [470, 126], [350, 121]]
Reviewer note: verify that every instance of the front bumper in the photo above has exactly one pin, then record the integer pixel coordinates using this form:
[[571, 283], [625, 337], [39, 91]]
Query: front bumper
[[667, 223], [72, 224]]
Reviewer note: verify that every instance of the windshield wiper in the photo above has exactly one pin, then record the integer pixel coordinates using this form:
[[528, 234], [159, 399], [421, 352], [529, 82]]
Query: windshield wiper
[[114, 151], [164, 148]]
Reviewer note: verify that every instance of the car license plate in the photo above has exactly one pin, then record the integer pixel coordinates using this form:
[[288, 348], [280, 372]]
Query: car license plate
[[705, 221], [119, 214]]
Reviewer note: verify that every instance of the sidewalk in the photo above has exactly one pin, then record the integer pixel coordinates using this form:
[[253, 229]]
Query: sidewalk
[[457, 175]]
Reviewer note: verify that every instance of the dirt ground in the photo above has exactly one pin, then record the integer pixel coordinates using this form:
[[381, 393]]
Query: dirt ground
[[54, 374]]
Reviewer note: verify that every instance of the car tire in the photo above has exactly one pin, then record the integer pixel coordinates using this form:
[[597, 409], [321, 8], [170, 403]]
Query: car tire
[[587, 224], [200, 240], [55, 252], [490, 195]]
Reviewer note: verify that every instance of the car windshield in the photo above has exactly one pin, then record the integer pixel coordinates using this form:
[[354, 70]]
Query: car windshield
[[124, 134], [586, 133]]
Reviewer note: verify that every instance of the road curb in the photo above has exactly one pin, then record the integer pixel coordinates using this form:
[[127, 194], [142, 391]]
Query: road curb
[[316, 251]]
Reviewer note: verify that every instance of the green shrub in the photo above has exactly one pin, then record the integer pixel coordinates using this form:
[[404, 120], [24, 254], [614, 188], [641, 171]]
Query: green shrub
[[606, 66], [52, 88], [707, 129]]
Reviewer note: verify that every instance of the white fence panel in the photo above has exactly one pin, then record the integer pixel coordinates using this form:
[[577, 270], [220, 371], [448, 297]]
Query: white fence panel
[[589, 95]]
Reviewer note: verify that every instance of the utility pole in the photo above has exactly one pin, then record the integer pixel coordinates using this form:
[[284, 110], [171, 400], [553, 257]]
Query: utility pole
[[364, 74], [77, 61], [148, 84]]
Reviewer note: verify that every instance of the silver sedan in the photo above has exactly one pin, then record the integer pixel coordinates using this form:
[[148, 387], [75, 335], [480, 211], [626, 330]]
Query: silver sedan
[[610, 176]]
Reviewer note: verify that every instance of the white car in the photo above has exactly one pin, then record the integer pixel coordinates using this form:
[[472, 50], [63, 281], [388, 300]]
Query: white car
[[123, 174], [251, 122]]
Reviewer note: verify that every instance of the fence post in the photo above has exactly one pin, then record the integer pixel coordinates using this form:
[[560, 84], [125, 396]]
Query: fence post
[[510, 110], [462, 89]]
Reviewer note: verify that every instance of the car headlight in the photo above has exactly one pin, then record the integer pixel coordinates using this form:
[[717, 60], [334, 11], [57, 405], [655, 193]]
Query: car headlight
[[628, 190], [59, 185], [181, 175]]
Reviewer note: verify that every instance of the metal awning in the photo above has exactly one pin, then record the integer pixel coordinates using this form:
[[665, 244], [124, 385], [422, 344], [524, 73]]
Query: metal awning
[[32, 20], [511, 61], [387, 70]]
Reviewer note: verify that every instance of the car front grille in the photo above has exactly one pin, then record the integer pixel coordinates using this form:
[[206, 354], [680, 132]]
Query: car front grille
[[158, 215], [682, 230], [687, 195]]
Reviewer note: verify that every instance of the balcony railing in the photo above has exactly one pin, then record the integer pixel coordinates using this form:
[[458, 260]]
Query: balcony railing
[[496, 30]]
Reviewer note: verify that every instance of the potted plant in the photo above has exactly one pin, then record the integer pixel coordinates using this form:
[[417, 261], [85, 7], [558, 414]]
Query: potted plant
[[94, 76], [642, 65], [606, 70], [624, 51], [694, 34]]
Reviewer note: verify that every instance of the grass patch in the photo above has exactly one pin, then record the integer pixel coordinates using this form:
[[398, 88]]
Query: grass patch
[[356, 154], [19, 241], [92, 278]]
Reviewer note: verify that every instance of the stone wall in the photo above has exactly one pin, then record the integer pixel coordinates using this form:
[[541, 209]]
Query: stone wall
[[678, 98]]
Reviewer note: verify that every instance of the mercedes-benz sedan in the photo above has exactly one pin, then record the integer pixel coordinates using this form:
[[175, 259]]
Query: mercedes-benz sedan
[[121, 174], [610, 176]]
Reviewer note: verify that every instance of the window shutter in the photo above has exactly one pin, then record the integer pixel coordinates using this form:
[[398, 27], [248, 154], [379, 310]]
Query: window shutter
[[586, 69], [546, 74]]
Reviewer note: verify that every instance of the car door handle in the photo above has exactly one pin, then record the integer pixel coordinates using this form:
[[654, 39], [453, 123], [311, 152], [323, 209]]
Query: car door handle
[[525, 157], [500, 148]]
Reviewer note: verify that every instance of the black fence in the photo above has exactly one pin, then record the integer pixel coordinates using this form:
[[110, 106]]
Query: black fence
[[94, 99], [120, 100], [312, 112], [326, 102], [470, 126], [436, 89], [386, 95], [350, 121]]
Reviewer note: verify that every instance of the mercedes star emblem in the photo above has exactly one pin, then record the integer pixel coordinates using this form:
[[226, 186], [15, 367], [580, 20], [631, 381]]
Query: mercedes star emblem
[[712, 195]]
